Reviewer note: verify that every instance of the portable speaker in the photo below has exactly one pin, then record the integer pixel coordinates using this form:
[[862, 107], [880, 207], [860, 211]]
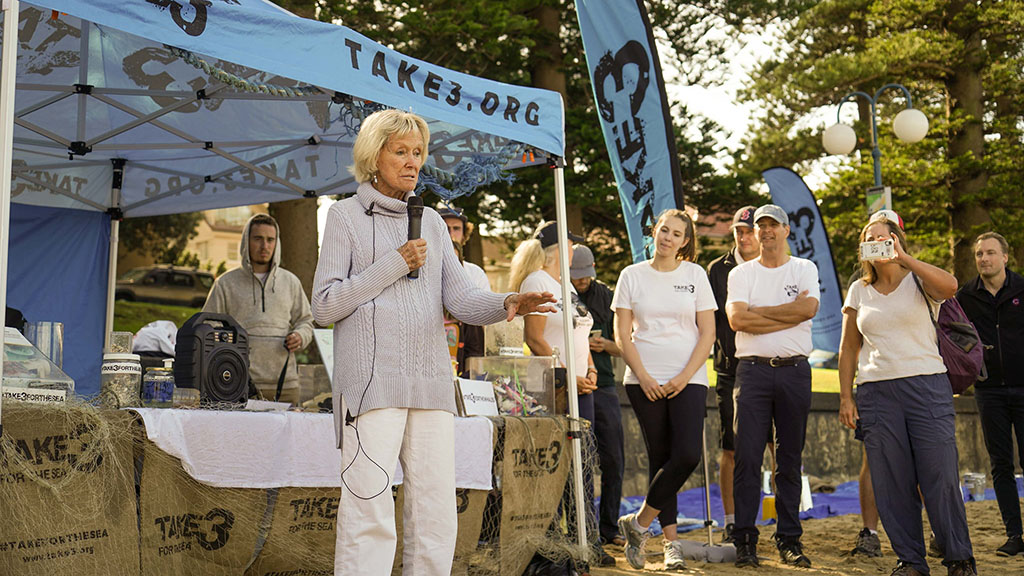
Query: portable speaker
[[212, 355]]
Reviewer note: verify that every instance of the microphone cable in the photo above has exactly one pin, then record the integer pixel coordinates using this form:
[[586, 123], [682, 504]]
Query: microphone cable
[[349, 419]]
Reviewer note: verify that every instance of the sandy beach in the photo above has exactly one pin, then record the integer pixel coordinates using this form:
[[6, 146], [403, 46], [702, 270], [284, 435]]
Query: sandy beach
[[827, 543]]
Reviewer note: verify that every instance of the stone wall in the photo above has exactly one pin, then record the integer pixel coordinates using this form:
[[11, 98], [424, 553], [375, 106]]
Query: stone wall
[[831, 454]]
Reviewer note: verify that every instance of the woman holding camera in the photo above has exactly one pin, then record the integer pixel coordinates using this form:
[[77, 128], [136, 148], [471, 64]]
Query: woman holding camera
[[904, 401], [665, 326]]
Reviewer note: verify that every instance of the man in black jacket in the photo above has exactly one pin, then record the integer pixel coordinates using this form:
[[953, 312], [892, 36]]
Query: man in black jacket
[[994, 301], [746, 248]]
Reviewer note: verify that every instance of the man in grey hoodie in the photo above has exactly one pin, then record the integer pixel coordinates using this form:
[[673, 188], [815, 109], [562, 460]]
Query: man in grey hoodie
[[268, 301]]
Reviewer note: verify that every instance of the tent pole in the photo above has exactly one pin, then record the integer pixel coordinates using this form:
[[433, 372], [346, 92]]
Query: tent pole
[[8, 68], [575, 431], [115, 226]]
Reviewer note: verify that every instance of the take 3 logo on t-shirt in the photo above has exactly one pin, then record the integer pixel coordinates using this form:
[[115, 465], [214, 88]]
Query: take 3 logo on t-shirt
[[664, 306], [792, 290]]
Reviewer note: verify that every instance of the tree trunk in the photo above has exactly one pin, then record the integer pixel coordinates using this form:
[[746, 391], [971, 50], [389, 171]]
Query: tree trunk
[[548, 73], [967, 143], [299, 250]]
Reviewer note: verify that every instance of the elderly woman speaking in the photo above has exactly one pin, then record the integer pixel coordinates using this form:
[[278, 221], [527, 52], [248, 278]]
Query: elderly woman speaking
[[393, 393]]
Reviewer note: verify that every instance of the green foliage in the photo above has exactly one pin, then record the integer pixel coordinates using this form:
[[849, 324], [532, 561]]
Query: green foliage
[[505, 41], [958, 182], [163, 237]]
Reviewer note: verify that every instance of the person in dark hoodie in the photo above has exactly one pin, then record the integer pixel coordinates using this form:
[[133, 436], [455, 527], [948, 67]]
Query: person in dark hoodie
[[993, 303], [268, 301]]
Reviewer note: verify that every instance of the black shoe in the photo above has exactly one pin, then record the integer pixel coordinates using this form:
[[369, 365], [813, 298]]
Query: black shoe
[[746, 555], [867, 545], [962, 568], [727, 538], [603, 558], [934, 550], [904, 569], [1014, 545], [792, 552]]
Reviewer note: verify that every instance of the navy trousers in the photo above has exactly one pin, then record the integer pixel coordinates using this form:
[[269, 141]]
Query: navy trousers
[[909, 434], [610, 439], [765, 394], [1002, 413]]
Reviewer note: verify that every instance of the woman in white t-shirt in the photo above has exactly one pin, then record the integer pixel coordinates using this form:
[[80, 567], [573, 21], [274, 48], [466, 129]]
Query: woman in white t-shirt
[[904, 402], [665, 326], [536, 263]]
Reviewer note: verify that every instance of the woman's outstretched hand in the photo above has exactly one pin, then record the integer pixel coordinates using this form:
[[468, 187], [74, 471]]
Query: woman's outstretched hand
[[528, 302]]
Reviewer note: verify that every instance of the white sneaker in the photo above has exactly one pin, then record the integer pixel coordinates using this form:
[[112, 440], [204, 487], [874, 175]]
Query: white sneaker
[[674, 555], [636, 540]]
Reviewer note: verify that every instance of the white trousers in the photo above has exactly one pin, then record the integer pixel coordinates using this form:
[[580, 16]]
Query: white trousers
[[424, 441]]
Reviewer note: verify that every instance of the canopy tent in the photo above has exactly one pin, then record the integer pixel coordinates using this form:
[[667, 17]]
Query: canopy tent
[[152, 107], [159, 107]]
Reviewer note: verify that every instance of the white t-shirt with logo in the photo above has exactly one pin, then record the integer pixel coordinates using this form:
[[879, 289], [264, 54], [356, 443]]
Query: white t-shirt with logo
[[757, 285], [899, 337], [664, 306], [541, 281]]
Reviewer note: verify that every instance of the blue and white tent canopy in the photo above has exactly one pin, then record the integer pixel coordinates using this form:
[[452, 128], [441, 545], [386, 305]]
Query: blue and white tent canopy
[[188, 105], [148, 107]]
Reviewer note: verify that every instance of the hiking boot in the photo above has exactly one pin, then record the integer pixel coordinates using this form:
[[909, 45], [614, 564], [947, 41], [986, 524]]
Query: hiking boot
[[674, 555], [792, 552], [962, 568], [603, 558], [934, 550], [636, 541], [867, 545], [904, 569], [746, 553], [1014, 545], [728, 538]]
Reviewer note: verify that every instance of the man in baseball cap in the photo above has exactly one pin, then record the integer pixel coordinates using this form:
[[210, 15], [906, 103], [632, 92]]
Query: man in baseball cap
[[745, 249], [770, 304], [460, 229]]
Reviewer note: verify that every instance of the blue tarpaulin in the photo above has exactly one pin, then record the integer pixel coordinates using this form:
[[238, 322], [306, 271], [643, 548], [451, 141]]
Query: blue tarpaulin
[[60, 274]]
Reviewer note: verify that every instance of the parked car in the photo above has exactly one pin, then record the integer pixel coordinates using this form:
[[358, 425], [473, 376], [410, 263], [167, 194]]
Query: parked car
[[165, 285]]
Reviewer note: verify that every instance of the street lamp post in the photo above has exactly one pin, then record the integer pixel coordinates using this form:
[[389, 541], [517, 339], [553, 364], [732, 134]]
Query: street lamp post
[[910, 125]]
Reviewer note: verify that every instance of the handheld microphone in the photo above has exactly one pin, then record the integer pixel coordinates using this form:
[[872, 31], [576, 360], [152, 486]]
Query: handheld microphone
[[415, 209]]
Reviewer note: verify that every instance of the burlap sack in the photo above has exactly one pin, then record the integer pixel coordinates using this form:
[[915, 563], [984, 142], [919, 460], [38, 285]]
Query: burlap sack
[[534, 469], [302, 534], [67, 492], [191, 528]]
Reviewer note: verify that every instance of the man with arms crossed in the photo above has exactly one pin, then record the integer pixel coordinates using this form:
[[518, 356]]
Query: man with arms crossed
[[770, 305], [993, 302]]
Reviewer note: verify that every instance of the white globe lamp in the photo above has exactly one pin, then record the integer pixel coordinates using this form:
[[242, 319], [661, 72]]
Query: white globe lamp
[[910, 125], [839, 139]]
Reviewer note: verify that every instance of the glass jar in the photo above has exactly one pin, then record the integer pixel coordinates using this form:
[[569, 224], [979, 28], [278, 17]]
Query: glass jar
[[158, 388], [120, 377]]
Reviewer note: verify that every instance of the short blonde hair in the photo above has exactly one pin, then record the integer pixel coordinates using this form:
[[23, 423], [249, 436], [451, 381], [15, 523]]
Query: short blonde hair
[[374, 134]]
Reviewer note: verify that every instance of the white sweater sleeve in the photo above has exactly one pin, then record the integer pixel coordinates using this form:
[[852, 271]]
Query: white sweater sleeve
[[337, 293], [460, 295]]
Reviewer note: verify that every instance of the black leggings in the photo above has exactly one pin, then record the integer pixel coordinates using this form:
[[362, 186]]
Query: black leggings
[[673, 434]]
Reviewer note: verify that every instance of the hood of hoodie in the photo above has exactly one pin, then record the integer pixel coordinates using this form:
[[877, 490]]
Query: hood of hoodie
[[243, 249]]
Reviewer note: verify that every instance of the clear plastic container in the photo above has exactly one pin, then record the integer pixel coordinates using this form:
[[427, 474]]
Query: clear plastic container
[[524, 385], [27, 367]]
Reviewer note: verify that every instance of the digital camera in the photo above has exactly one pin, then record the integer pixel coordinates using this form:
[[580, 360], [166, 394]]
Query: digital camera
[[881, 250]]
